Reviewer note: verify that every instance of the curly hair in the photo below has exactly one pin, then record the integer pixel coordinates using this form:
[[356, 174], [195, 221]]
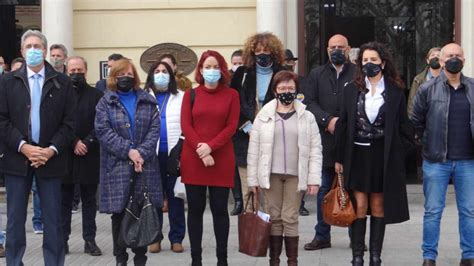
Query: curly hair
[[267, 40], [389, 72]]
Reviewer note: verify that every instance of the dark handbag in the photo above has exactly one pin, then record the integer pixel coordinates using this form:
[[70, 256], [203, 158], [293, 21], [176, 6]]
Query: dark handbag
[[173, 166], [254, 232], [337, 205], [140, 225]]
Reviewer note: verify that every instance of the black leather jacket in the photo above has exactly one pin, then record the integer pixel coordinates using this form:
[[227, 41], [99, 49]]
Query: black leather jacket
[[430, 115]]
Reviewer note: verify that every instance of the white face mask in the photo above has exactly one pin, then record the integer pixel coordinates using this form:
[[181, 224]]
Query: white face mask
[[162, 81], [234, 67]]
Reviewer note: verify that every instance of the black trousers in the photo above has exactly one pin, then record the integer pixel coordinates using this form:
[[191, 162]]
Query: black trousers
[[89, 210], [120, 252], [218, 200]]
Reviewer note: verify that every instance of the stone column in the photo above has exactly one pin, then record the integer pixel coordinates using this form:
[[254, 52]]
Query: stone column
[[56, 22], [467, 35], [271, 16]]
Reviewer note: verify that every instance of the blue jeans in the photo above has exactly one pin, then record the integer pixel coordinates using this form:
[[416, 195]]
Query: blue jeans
[[323, 230], [435, 183], [176, 216], [36, 204], [18, 190]]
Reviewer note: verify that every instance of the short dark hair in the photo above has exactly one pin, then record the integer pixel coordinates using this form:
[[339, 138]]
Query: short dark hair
[[150, 79], [236, 53], [170, 56], [60, 47], [115, 57], [285, 75]]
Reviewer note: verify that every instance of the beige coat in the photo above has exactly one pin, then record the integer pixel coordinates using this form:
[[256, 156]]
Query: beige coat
[[260, 150]]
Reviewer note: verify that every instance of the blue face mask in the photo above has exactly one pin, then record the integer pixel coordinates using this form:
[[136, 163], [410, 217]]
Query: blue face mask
[[211, 76], [34, 57], [162, 80]]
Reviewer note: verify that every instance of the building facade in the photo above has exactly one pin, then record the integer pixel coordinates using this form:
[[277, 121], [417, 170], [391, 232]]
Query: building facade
[[95, 29]]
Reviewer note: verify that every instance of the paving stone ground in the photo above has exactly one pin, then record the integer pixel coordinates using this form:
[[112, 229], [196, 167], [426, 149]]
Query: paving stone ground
[[402, 245]]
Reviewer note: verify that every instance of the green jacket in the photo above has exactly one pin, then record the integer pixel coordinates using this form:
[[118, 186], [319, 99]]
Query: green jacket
[[417, 81]]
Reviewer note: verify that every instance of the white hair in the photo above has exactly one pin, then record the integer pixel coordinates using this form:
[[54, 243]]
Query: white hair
[[35, 33]]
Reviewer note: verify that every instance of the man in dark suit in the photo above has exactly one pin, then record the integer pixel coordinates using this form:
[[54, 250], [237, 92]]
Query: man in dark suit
[[323, 96], [36, 130], [84, 155]]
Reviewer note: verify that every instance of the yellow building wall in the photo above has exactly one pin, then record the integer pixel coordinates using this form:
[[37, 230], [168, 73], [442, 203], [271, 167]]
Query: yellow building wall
[[130, 27]]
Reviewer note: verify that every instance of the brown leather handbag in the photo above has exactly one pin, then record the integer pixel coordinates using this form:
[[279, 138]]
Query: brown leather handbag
[[337, 205], [254, 232]]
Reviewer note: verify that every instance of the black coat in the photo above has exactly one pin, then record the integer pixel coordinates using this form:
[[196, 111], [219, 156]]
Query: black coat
[[57, 121], [85, 169], [398, 139], [244, 81], [323, 97]]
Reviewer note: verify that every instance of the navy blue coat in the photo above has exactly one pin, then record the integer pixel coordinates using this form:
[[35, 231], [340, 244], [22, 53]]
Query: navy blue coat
[[57, 121], [116, 169]]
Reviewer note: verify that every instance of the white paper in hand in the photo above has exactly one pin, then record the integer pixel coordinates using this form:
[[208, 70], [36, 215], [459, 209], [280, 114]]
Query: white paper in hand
[[264, 216], [179, 189]]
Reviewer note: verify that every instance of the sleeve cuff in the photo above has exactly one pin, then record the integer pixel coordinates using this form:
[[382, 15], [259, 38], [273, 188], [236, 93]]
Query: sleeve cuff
[[54, 149], [21, 144]]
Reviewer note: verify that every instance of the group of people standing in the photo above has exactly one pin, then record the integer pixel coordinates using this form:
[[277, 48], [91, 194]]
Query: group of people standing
[[260, 127]]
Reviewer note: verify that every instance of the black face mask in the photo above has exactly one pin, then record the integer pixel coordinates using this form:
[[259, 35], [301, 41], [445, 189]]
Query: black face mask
[[338, 57], [263, 60], [453, 65], [371, 70], [286, 98], [78, 80], [125, 83], [434, 63]]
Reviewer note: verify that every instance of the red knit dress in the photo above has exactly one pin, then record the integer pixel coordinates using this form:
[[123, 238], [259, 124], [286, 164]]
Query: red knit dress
[[213, 120]]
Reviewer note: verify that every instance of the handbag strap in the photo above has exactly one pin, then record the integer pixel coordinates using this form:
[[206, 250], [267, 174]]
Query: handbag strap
[[133, 181], [193, 98], [342, 191], [254, 198]]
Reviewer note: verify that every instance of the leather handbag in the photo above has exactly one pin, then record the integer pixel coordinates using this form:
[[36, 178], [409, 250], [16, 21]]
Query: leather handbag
[[254, 232], [337, 205], [173, 166], [140, 225]]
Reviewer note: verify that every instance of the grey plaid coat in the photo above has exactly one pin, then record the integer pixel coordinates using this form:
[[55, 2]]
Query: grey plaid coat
[[112, 127]]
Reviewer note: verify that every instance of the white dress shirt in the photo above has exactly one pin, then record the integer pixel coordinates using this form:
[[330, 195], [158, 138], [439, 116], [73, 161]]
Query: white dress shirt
[[373, 102]]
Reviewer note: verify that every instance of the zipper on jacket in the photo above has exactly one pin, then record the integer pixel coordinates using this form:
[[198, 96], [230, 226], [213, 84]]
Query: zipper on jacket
[[445, 155]]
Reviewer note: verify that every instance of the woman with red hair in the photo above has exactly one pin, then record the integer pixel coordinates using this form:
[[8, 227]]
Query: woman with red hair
[[209, 118]]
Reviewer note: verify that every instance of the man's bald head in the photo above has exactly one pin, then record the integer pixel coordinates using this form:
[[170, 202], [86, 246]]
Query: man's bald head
[[338, 39], [338, 42], [450, 51]]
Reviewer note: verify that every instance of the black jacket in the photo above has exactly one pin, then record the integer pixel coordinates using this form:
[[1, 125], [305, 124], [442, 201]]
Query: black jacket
[[323, 97], [57, 121], [398, 139], [430, 115], [85, 169], [245, 82]]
